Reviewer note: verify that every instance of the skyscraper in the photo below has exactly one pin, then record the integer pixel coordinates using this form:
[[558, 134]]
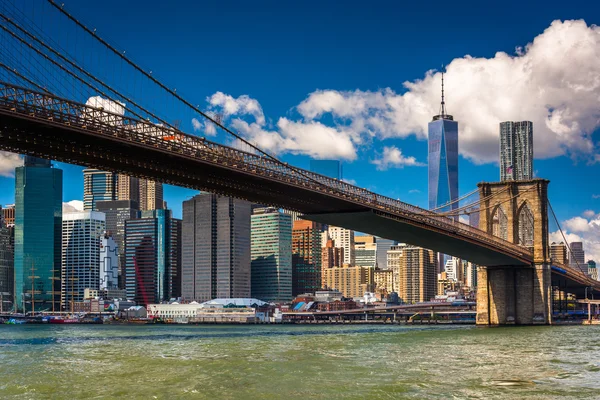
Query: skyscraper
[[81, 233], [128, 188], [38, 226], [559, 253], [216, 248], [443, 159], [344, 238], [577, 259], [332, 256], [153, 257], [98, 186], [383, 245], [306, 257], [117, 212], [417, 275], [330, 168], [109, 263], [516, 150], [7, 265], [271, 252], [365, 251], [151, 195]]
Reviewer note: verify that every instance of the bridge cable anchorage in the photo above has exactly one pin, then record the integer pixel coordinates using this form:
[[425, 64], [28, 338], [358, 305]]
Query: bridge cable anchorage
[[81, 70], [180, 98]]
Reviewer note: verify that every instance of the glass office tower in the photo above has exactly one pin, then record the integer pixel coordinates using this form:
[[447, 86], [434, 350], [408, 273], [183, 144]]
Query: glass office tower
[[98, 186], [38, 228], [330, 168]]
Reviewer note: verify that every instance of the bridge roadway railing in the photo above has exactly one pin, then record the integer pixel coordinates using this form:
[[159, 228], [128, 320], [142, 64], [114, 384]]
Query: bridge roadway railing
[[55, 110]]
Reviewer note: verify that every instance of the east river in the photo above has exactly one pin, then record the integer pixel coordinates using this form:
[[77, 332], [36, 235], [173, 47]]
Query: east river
[[298, 362]]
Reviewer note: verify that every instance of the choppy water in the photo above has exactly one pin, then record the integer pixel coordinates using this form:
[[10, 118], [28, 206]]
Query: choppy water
[[298, 362]]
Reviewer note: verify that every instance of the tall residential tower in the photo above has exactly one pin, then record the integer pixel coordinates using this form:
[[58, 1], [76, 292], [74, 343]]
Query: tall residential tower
[[516, 151]]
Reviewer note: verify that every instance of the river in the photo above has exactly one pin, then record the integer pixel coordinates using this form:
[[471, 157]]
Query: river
[[298, 362]]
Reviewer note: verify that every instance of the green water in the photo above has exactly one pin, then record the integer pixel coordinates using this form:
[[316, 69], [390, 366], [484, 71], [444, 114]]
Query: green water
[[298, 362]]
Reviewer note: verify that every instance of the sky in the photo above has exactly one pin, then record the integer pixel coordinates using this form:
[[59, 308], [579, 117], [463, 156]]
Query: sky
[[359, 82]]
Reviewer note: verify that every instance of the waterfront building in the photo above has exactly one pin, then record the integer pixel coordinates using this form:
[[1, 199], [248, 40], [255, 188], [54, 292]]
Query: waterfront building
[[8, 213], [38, 226], [271, 253], [331, 256], [7, 266], [516, 150], [351, 281], [306, 257], [215, 248], [109, 263], [577, 257], [382, 246], [592, 270], [117, 212], [446, 284], [365, 251], [153, 257], [559, 253], [344, 238], [128, 188], [384, 281], [98, 186], [81, 233], [417, 275], [151, 195], [330, 168]]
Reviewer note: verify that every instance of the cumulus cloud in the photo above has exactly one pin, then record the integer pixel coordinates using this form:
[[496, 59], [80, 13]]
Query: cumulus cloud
[[106, 104], [589, 213], [552, 81], [393, 157], [208, 128], [585, 230], [72, 206], [8, 163]]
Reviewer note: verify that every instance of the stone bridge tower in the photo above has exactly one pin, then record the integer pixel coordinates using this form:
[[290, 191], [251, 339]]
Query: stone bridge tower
[[516, 211]]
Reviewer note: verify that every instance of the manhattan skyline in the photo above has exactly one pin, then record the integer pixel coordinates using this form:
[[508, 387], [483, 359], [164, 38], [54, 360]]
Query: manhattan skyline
[[321, 102]]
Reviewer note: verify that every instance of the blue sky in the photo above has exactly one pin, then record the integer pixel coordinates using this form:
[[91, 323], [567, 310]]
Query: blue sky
[[283, 55]]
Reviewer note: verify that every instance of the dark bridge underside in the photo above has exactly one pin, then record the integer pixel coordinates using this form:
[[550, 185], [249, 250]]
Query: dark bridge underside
[[51, 140]]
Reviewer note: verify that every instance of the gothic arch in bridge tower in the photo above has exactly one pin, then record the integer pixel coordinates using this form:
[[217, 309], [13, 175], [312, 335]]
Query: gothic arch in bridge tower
[[499, 223], [525, 225]]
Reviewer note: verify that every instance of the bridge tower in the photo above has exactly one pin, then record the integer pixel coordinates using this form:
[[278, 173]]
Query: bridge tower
[[516, 211]]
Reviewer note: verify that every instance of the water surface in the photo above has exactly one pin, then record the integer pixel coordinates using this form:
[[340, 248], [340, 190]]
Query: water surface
[[298, 362]]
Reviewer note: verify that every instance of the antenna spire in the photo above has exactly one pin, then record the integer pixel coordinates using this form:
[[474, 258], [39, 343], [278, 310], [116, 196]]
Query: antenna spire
[[443, 105]]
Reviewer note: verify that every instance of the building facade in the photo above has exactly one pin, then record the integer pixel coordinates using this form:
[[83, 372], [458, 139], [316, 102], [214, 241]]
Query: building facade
[[394, 258], [153, 257], [306, 257], [128, 188], [81, 233], [271, 253], [151, 195], [384, 281], [351, 281], [383, 245], [365, 251], [109, 263], [8, 213], [7, 266], [516, 150], [417, 275], [330, 168], [98, 186], [343, 238], [577, 258], [215, 248], [38, 239], [559, 253]]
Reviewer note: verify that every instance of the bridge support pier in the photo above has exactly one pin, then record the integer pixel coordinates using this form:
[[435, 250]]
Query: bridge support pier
[[514, 295]]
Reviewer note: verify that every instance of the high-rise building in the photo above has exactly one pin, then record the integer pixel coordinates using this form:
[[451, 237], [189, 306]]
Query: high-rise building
[[577, 259], [109, 263], [454, 269], [384, 281], [98, 186], [271, 252], [117, 212], [7, 265], [365, 251], [306, 257], [216, 248], [344, 238], [351, 281], [8, 212], [394, 257], [516, 150], [418, 277], [151, 195], [559, 253], [383, 245], [592, 270], [38, 239], [332, 256], [330, 168], [153, 257], [470, 274], [128, 188], [81, 233]]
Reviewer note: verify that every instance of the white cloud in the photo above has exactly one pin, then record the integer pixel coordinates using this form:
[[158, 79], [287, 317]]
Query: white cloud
[[393, 157], [412, 191], [106, 104], [243, 105], [596, 196], [583, 230], [72, 206], [589, 213], [207, 128], [349, 181], [8, 163]]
